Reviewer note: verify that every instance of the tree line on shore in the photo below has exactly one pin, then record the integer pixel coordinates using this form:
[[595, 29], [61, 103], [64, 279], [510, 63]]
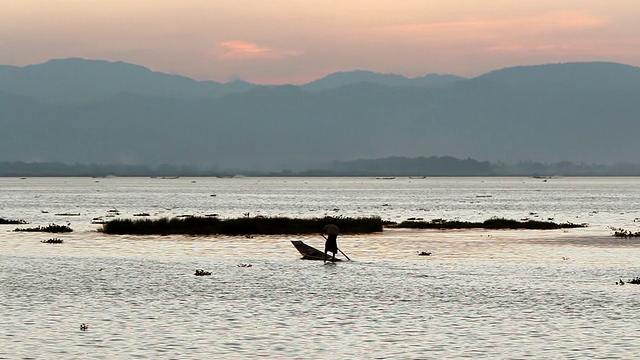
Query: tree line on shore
[[391, 166]]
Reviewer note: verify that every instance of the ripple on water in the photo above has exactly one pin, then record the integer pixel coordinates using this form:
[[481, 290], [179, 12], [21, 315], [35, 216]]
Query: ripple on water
[[481, 294]]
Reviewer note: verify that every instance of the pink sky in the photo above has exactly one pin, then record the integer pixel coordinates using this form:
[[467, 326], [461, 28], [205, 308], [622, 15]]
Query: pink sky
[[295, 41]]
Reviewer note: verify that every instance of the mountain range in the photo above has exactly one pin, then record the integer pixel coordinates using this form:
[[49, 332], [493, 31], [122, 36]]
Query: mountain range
[[93, 111]]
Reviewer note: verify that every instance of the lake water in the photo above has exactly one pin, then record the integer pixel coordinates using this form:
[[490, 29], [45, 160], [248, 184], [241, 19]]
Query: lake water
[[481, 294]]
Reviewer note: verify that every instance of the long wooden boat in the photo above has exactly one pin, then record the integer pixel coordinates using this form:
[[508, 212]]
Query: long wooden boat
[[309, 252]]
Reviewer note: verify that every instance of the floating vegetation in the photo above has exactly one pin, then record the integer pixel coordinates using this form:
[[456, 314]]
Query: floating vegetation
[[11, 222], [493, 223], [53, 228], [200, 272], [635, 281], [196, 225], [52, 241], [622, 233]]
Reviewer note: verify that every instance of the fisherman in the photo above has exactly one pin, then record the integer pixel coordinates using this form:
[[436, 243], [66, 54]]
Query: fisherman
[[331, 244]]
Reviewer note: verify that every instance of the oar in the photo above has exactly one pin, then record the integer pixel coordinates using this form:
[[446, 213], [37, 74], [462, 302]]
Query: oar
[[345, 255]]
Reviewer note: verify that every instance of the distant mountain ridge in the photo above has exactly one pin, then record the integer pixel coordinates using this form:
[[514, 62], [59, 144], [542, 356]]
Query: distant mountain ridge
[[76, 80], [339, 79], [566, 76], [580, 112]]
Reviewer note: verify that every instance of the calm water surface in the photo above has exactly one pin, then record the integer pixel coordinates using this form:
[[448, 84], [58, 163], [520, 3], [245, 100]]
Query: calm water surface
[[482, 294]]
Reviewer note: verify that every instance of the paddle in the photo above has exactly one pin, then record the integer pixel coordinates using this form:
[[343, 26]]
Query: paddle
[[345, 255]]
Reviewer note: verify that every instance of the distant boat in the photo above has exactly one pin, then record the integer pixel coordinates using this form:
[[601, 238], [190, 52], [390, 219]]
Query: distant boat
[[309, 252]]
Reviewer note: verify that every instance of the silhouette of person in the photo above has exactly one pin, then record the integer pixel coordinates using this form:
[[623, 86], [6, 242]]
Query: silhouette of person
[[331, 245]]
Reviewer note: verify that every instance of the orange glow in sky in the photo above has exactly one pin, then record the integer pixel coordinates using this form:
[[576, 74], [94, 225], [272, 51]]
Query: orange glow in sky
[[295, 41]]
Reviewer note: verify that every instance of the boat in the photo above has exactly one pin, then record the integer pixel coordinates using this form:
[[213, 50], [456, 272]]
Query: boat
[[309, 252]]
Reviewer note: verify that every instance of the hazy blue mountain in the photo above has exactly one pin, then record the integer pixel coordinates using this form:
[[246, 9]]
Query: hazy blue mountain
[[339, 79], [585, 76], [76, 80], [581, 112]]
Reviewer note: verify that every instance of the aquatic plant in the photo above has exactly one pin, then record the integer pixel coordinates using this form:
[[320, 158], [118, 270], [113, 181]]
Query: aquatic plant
[[493, 223], [11, 222], [625, 233], [53, 228], [196, 225]]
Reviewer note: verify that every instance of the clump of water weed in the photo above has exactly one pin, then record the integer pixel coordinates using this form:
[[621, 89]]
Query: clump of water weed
[[243, 226], [12, 222], [493, 223], [622, 233], [52, 228]]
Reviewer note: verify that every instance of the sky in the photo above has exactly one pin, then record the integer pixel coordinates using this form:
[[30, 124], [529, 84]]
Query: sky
[[297, 41]]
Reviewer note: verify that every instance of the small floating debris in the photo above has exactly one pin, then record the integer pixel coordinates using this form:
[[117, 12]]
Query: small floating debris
[[68, 214], [52, 241], [142, 214], [620, 282], [423, 253], [200, 272], [84, 327], [245, 265]]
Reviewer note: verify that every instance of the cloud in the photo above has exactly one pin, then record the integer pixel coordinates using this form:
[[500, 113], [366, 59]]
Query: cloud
[[554, 23], [237, 49]]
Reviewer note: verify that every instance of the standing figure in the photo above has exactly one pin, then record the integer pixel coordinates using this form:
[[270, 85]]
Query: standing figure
[[331, 245]]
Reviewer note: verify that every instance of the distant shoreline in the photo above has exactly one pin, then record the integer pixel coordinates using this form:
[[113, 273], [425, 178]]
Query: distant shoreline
[[385, 168]]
